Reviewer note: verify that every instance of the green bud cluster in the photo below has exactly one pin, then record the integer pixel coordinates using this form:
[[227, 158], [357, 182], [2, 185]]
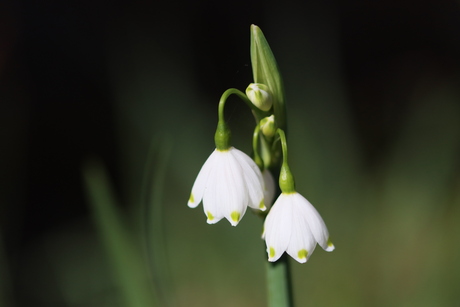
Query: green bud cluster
[[265, 97]]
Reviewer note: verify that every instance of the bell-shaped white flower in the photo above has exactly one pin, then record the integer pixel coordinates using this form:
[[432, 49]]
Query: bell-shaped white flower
[[228, 183], [294, 226]]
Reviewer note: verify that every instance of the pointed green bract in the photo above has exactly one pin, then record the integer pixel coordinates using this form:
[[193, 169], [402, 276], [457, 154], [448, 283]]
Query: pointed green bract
[[265, 71]]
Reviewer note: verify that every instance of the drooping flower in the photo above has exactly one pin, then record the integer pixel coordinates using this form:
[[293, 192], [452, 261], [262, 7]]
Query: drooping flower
[[294, 226], [228, 183]]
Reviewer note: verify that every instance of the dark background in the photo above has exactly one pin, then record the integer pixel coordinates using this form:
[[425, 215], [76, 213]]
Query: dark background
[[373, 105]]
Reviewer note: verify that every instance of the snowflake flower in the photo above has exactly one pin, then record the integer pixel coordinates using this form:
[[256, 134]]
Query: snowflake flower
[[294, 226], [228, 183]]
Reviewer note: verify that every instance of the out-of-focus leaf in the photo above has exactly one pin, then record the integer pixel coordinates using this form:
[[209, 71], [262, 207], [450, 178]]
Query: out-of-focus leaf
[[125, 258]]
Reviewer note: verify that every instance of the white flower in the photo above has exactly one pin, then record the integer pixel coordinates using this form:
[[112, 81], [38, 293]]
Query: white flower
[[228, 183], [293, 225]]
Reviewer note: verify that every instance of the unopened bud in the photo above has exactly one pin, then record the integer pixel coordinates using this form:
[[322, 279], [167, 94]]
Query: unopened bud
[[260, 96], [268, 126]]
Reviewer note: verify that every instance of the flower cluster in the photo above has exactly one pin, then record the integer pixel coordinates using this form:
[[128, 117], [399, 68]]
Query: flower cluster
[[230, 181]]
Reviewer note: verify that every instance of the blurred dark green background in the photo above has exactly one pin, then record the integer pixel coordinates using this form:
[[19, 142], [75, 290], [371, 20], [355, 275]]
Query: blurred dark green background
[[128, 92]]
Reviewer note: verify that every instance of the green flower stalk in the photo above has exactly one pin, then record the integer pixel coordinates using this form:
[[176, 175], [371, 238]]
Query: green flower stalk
[[293, 224], [230, 181]]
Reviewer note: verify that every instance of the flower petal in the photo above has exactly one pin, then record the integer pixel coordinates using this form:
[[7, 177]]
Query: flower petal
[[269, 187], [211, 197], [201, 181], [252, 178], [315, 222], [278, 227], [302, 243], [234, 196]]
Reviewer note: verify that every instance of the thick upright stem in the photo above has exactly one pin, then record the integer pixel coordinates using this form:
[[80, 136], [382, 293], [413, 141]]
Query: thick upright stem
[[279, 283]]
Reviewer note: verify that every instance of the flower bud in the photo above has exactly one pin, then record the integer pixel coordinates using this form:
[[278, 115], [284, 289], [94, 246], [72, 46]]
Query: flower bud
[[260, 96], [268, 126]]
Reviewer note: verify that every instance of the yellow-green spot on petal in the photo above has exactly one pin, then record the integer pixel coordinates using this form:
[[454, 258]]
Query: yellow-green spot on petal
[[302, 254], [192, 199], [210, 216], [272, 252], [262, 205], [235, 216], [329, 243]]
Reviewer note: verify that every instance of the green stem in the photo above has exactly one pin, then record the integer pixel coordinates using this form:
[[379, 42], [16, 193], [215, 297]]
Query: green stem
[[259, 114], [279, 283], [283, 144], [255, 148], [266, 152], [286, 180]]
